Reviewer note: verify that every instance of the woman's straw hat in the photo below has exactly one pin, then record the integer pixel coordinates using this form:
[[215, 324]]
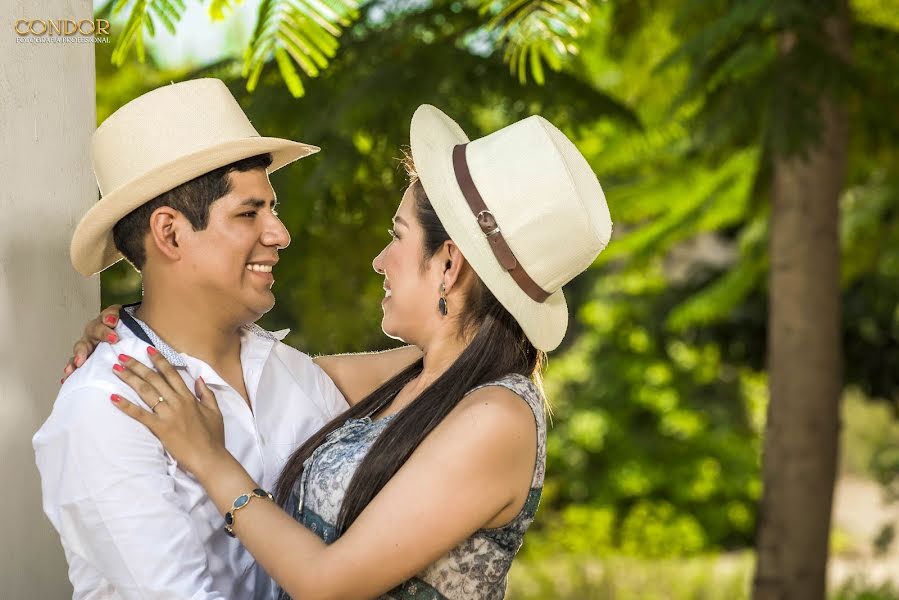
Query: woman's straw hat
[[524, 207]]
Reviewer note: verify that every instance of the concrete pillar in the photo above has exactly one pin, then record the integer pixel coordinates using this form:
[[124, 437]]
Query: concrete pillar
[[47, 114]]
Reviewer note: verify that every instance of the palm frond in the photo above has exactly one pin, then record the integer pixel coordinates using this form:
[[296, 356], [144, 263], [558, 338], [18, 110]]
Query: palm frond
[[220, 9], [297, 33], [536, 32], [140, 19]]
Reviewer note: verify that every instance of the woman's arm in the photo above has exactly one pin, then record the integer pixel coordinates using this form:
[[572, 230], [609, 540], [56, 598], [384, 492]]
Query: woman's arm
[[357, 375], [474, 470]]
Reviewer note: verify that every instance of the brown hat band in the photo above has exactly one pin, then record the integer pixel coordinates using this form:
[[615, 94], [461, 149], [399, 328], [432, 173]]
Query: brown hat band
[[490, 228]]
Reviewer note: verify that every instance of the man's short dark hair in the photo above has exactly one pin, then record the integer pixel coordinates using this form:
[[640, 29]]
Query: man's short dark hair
[[192, 199]]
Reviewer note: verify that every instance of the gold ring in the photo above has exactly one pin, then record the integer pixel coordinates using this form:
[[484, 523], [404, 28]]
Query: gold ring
[[161, 399]]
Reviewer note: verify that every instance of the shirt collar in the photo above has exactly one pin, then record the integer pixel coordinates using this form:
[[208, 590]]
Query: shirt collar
[[144, 332]]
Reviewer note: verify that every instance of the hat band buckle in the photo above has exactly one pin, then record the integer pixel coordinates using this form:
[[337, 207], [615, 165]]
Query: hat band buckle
[[490, 228]]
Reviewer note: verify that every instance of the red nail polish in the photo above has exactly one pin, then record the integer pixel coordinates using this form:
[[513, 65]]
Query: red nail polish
[[110, 320], [152, 351], [118, 367], [63, 380], [113, 338], [124, 357], [115, 398]]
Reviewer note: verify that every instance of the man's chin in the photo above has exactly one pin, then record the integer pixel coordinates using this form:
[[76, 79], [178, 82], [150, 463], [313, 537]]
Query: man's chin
[[256, 310]]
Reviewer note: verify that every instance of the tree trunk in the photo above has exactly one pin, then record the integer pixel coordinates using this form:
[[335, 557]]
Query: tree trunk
[[47, 114], [804, 356]]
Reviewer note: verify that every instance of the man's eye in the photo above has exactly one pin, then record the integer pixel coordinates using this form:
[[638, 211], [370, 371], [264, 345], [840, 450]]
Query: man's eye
[[252, 213], [275, 212]]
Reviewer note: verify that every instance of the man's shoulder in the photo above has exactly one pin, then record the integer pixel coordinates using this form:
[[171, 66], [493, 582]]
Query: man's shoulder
[[310, 378], [95, 374], [82, 403], [293, 359]]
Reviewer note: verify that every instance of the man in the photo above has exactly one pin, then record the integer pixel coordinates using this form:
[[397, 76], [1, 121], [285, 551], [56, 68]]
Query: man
[[187, 200]]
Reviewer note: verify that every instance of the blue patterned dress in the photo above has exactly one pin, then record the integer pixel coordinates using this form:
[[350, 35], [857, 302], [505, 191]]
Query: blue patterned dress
[[475, 569]]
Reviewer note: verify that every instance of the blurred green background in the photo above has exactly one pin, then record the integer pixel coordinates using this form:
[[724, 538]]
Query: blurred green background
[[659, 391]]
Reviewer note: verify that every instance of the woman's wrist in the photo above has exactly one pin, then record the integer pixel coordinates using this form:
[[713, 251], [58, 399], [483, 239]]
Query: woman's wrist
[[214, 462], [224, 479]]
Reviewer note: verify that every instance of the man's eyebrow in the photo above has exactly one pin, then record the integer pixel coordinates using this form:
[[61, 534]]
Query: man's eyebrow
[[399, 219], [258, 203]]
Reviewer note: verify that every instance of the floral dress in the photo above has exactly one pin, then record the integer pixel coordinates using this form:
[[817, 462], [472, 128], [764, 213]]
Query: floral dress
[[478, 566]]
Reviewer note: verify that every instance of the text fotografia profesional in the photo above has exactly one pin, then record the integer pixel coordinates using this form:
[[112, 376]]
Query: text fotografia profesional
[[61, 30]]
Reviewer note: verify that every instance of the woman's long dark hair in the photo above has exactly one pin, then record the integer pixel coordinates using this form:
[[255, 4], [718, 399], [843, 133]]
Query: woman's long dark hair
[[497, 348]]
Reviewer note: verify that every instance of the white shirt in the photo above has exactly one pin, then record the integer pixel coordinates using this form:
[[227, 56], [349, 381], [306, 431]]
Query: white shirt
[[134, 525]]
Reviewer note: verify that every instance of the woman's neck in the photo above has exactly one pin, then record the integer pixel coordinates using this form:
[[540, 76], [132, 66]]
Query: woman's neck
[[438, 357]]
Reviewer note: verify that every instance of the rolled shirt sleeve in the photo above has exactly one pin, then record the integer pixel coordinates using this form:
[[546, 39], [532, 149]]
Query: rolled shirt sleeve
[[108, 490]]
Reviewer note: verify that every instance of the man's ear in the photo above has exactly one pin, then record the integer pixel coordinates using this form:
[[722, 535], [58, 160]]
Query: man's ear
[[452, 264], [165, 228]]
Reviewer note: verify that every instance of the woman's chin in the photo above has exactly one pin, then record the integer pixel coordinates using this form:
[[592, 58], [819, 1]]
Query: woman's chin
[[390, 331]]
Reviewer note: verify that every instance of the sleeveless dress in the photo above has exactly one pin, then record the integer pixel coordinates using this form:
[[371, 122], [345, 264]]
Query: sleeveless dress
[[475, 569]]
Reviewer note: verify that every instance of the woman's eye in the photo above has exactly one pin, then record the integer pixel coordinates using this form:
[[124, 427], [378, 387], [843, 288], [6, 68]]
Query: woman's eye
[[393, 234]]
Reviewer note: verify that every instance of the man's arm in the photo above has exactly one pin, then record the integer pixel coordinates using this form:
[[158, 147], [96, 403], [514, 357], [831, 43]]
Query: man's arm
[[108, 492], [357, 375]]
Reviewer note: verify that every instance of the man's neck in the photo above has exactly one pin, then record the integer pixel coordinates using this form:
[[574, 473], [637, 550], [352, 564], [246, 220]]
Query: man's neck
[[193, 330]]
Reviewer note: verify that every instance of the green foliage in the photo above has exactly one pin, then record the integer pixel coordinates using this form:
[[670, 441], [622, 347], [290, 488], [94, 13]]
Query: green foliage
[[305, 34], [654, 431], [859, 589], [219, 9], [571, 576], [775, 53], [303, 31], [294, 34], [140, 17], [585, 577], [536, 31], [869, 437]]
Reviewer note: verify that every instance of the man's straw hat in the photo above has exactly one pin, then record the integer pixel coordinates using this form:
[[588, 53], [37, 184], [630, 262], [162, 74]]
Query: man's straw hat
[[155, 143]]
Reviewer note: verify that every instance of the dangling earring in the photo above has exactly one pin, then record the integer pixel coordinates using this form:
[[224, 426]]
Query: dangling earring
[[441, 304]]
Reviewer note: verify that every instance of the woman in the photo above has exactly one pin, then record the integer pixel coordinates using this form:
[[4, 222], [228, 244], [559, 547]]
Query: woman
[[425, 487]]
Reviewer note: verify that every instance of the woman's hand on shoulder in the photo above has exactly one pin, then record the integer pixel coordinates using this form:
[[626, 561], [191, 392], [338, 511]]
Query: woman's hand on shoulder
[[189, 424], [97, 330]]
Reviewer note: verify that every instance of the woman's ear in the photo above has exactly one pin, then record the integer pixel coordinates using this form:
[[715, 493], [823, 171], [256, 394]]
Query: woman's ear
[[453, 263], [164, 232]]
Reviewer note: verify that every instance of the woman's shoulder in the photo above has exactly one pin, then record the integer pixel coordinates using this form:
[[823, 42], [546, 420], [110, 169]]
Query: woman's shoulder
[[513, 400], [514, 385], [516, 382]]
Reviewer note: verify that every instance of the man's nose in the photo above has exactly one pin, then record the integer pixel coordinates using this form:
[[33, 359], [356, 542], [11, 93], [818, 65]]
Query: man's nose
[[276, 234]]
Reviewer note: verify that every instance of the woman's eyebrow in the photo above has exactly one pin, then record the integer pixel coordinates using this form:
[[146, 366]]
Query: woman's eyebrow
[[400, 220]]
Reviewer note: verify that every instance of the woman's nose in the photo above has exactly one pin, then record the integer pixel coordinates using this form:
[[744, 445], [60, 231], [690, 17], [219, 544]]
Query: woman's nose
[[378, 263]]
